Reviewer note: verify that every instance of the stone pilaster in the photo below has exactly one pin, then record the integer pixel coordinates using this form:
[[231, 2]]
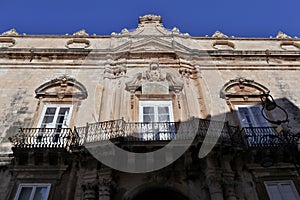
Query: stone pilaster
[[228, 179], [89, 190], [105, 184], [213, 179]]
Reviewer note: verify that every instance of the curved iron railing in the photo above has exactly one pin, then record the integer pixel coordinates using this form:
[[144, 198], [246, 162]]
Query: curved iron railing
[[265, 137], [126, 131], [43, 138], [156, 131]]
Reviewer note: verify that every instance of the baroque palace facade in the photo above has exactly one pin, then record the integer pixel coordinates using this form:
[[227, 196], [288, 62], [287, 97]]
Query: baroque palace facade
[[149, 114]]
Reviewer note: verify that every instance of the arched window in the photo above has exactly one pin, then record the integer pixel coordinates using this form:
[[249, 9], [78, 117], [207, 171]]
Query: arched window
[[59, 98], [243, 97]]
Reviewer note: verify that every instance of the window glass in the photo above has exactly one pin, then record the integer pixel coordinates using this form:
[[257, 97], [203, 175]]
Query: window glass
[[32, 191], [250, 116], [281, 190], [55, 116], [40, 193], [25, 193], [154, 115]]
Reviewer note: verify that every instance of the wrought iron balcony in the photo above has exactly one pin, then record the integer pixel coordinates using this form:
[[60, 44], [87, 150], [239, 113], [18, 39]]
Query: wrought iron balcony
[[124, 131], [156, 131], [266, 137], [43, 138]]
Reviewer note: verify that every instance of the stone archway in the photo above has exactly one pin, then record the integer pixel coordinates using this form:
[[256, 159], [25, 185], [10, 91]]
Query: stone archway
[[159, 193]]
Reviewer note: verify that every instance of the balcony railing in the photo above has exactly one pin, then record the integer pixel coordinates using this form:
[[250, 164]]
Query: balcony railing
[[156, 131], [124, 131], [44, 138], [265, 137]]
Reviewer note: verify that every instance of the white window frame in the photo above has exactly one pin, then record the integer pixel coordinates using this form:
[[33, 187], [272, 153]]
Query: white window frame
[[255, 123], [279, 185], [156, 104], [158, 130], [34, 186], [67, 121]]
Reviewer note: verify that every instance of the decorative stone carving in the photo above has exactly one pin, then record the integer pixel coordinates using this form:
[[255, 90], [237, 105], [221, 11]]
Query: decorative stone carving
[[11, 32], [124, 31], [188, 72], [61, 87], [175, 30], [242, 87], [154, 73], [89, 190], [282, 35], [218, 34], [156, 76], [105, 187], [150, 19], [113, 72], [81, 33], [78, 43]]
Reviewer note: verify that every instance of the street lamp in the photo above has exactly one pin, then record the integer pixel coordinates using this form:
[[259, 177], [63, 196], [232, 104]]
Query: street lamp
[[286, 139], [269, 104]]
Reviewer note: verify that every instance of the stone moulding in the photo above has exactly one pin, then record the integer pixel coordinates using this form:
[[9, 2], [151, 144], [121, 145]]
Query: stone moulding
[[223, 43], [62, 87], [242, 87], [7, 42], [78, 43], [285, 44]]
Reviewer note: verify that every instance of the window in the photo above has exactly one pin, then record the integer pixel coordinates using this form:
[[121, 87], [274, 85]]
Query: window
[[281, 190], [255, 126], [55, 116], [156, 111], [250, 116], [157, 120], [33, 191]]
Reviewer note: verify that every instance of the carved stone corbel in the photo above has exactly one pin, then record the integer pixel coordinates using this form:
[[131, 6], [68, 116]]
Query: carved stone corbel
[[188, 72], [113, 72]]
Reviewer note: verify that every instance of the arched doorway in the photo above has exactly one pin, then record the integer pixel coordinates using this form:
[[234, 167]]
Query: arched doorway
[[159, 194]]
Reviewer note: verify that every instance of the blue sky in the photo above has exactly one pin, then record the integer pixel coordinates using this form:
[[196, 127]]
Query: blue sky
[[241, 18]]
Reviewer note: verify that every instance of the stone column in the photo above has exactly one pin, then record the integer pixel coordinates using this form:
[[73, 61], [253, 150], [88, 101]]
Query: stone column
[[214, 180]]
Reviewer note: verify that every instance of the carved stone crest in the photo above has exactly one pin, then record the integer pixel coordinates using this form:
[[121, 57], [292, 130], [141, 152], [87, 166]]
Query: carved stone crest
[[155, 81]]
